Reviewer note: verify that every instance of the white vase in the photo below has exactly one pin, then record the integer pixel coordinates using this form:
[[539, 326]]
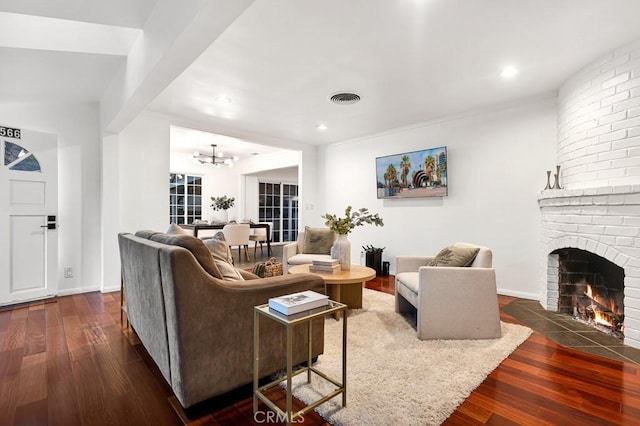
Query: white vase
[[219, 216], [341, 250]]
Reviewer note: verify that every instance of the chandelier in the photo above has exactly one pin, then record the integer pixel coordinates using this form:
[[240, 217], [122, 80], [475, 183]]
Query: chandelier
[[215, 159]]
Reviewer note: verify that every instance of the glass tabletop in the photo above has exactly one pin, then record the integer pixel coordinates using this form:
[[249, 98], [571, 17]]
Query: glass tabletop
[[331, 307]]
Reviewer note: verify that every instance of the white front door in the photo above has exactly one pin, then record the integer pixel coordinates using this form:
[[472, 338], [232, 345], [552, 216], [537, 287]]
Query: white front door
[[28, 215]]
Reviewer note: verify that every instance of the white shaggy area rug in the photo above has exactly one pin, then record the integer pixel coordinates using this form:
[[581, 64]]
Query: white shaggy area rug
[[392, 377]]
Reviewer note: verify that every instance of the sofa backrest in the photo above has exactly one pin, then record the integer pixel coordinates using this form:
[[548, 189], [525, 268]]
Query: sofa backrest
[[195, 245], [142, 277], [484, 258]]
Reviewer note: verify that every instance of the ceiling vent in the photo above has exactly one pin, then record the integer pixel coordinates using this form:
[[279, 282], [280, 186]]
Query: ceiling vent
[[345, 98]]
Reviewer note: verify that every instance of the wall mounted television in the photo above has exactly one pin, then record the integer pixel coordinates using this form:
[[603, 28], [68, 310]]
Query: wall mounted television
[[413, 174]]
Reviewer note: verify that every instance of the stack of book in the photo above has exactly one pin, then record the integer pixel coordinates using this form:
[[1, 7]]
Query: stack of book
[[324, 266], [290, 304]]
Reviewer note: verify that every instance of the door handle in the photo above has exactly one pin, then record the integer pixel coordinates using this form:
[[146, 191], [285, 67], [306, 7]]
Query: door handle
[[49, 226]]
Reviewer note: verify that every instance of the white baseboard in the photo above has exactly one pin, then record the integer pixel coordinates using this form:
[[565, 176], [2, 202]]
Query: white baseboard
[[77, 290], [519, 294], [80, 290]]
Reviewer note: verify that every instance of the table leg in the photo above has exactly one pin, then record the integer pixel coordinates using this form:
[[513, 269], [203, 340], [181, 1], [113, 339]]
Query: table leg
[[289, 375], [334, 294], [256, 353], [351, 295], [310, 350], [344, 357]]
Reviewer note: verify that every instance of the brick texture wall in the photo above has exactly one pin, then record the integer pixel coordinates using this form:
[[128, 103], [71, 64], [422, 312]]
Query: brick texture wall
[[599, 122], [598, 209]]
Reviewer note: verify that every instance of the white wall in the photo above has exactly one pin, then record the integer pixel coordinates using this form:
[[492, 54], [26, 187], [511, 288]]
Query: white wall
[[79, 200], [144, 174], [135, 187], [496, 167]]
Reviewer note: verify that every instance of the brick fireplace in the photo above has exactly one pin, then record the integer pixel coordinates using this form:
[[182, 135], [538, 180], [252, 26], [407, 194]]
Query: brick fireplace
[[604, 222], [598, 209]]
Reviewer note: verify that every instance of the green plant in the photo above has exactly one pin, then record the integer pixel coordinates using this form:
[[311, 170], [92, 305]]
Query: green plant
[[344, 225], [222, 203]]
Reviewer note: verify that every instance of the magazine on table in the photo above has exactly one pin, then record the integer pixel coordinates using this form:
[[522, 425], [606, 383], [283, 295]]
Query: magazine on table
[[330, 263], [298, 302], [324, 269]]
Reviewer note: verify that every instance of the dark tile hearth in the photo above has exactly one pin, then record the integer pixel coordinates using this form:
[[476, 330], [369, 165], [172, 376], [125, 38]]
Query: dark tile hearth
[[568, 332]]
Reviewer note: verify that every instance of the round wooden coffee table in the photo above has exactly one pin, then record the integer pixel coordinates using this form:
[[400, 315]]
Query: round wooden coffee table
[[342, 286]]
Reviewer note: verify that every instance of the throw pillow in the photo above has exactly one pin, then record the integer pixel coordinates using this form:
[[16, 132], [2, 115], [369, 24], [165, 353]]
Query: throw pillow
[[318, 240], [221, 254], [455, 256], [174, 229], [194, 245]]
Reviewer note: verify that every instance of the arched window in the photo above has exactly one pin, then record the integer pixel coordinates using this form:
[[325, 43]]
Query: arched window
[[19, 158]]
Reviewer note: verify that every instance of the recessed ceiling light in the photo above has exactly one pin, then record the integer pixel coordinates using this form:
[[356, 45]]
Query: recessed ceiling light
[[322, 127], [509, 72]]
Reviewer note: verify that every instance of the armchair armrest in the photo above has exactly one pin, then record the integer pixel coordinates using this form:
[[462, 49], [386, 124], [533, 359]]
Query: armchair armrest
[[444, 278], [411, 263], [457, 303], [288, 251]]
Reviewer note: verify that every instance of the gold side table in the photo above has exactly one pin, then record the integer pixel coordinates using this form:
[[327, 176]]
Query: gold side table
[[288, 322]]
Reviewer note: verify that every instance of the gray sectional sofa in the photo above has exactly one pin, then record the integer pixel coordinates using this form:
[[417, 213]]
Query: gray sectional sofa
[[199, 328]]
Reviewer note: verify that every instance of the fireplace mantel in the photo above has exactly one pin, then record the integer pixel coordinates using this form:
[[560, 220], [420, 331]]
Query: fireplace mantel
[[560, 194]]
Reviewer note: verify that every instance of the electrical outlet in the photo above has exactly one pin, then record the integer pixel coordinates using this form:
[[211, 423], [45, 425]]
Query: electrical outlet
[[68, 272]]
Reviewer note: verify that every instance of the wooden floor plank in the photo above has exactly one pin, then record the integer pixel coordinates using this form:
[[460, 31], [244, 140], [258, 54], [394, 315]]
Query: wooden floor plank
[[32, 380], [34, 342], [8, 398], [34, 413], [16, 331]]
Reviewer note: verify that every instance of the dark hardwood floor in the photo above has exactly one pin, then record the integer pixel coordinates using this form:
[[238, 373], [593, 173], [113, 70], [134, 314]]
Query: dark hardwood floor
[[69, 362]]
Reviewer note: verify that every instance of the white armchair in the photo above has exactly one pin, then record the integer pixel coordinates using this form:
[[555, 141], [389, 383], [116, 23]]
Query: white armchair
[[294, 254], [451, 302]]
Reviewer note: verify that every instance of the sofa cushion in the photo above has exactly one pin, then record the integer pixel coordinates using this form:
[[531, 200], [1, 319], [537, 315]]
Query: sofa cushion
[[318, 240], [175, 229], [307, 259], [222, 257], [407, 286], [195, 246], [455, 256], [409, 280]]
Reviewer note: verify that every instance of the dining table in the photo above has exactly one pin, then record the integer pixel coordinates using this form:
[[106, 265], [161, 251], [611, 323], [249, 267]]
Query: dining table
[[198, 227]]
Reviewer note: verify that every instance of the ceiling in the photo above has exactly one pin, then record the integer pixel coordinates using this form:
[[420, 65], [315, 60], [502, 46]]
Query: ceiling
[[186, 140], [278, 63]]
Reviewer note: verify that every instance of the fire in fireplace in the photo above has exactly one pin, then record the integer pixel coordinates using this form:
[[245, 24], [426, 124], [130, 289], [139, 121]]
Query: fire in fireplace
[[591, 289]]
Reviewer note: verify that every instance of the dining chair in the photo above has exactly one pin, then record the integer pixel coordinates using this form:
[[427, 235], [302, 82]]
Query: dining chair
[[259, 235], [238, 235]]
